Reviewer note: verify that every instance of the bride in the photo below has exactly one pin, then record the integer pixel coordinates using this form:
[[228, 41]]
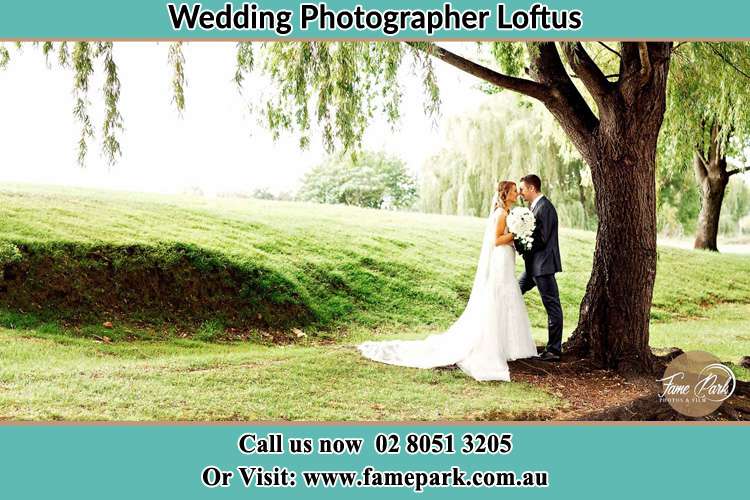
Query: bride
[[493, 329]]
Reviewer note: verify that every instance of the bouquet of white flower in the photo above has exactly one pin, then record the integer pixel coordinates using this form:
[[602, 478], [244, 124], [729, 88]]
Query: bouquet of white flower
[[521, 222]]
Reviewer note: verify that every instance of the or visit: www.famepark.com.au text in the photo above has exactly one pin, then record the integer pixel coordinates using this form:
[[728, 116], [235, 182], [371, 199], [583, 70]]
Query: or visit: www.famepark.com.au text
[[369, 477]]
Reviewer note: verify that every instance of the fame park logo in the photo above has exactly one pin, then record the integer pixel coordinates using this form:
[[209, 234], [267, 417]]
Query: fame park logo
[[695, 384]]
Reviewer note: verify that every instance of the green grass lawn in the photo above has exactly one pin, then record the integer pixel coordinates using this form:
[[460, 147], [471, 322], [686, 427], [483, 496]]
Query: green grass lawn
[[52, 377], [360, 273]]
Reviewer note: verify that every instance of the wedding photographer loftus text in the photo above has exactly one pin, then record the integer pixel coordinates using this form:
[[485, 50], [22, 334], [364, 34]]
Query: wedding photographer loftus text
[[388, 22], [281, 476]]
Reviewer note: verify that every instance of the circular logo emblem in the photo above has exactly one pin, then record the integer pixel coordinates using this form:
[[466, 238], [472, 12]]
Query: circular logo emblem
[[695, 384]]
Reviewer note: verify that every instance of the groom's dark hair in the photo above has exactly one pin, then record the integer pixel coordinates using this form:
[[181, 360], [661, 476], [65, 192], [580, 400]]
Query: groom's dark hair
[[533, 180]]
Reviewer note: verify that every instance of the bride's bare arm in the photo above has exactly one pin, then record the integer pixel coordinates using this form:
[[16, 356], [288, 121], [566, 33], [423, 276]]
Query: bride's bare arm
[[500, 237]]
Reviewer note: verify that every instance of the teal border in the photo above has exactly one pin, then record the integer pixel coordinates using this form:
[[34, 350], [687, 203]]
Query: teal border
[[148, 19], [165, 461]]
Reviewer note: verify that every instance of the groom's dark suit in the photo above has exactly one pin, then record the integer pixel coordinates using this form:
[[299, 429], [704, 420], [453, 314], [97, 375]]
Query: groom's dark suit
[[542, 262]]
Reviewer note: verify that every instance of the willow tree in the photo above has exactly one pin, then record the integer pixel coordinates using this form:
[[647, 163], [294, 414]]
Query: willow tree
[[505, 137], [707, 123], [491, 142]]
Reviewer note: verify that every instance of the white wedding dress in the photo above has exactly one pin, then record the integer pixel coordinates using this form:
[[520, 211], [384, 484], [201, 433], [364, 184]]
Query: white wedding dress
[[493, 329]]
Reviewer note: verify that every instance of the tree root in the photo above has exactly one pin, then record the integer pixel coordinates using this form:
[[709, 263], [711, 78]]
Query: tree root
[[597, 394], [649, 408]]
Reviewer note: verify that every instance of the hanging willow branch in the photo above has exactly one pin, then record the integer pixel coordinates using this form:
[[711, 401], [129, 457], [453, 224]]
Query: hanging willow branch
[[46, 50], [4, 57], [82, 70], [112, 118], [245, 62], [177, 62], [429, 81], [336, 87], [63, 55]]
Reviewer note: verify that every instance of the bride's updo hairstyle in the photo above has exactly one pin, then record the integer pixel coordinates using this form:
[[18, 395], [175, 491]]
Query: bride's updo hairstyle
[[503, 189]]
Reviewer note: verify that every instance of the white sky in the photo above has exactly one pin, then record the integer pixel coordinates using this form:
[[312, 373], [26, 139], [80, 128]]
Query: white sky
[[217, 145]]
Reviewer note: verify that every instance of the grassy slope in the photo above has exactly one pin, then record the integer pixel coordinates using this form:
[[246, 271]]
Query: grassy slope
[[395, 274], [357, 268]]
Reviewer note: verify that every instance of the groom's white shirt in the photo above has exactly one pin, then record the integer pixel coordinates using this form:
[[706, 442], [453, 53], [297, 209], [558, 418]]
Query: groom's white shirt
[[536, 200]]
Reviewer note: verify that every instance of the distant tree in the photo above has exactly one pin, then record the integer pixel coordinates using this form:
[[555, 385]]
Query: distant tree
[[505, 137], [193, 191], [736, 207], [677, 201], [266, 194], [707, 124], [284, 196], [369, 179], [744, 225], [263, 194]]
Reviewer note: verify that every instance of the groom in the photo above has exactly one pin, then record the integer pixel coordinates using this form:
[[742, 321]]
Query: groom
[[543, 261]]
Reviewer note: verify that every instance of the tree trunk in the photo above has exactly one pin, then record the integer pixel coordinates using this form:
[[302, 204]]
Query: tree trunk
[[614, 314], [712, 177], [613, 327]]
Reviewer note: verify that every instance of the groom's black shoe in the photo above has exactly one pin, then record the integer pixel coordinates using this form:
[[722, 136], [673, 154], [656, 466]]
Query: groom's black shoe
[[549, 356]]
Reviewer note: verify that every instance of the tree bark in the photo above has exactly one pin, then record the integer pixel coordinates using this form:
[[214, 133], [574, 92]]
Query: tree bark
[[614, 313], [613, 327]]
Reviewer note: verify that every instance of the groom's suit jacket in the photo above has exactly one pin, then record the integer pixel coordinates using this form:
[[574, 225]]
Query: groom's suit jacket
[[544, 256]]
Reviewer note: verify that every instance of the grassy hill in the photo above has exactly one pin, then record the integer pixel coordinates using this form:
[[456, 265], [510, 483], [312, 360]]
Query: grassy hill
[[174, 272], [86, 255]]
